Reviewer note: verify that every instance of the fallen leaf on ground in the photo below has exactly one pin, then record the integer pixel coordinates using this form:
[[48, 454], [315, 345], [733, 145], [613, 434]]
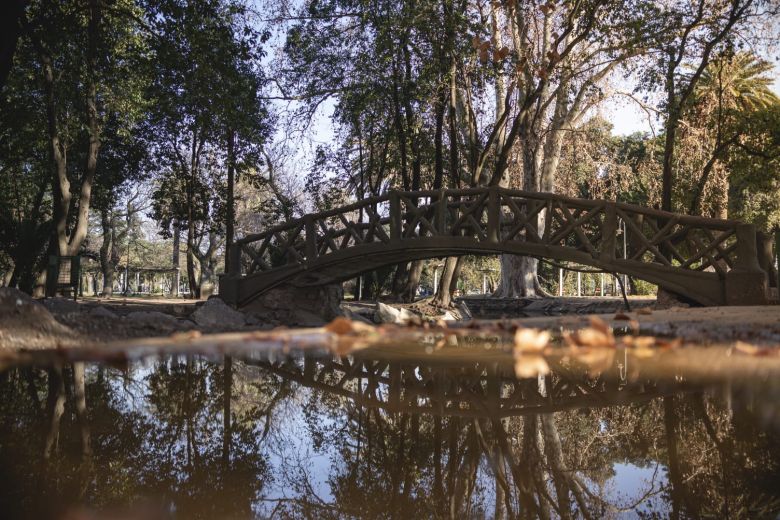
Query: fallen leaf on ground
[[747, 348], [341, 326], [531, 340], [644, 311], [590, 337]]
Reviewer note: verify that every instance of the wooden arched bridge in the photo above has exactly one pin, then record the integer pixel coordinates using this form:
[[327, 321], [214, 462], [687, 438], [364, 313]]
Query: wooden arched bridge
[[711, 261]]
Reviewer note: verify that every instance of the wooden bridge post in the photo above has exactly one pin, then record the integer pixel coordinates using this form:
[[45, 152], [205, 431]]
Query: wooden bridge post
[[608, 233], [396, 225], [493, 214], [746, 283], [234, 257], [441, 213], [311, 238]]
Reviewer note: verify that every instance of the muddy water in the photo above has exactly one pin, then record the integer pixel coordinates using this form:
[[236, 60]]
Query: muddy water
[[384, 433]]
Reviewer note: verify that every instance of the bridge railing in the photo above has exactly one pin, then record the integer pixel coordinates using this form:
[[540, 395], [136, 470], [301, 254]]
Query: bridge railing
[[606, 231]]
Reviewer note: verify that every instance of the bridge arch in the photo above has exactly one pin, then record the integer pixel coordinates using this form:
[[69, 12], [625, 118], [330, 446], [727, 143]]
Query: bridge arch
[[711, 261]]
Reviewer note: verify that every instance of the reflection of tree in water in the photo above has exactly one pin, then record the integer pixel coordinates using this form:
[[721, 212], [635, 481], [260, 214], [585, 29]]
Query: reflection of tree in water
[[388, 461], [153, 434], [496, 448]]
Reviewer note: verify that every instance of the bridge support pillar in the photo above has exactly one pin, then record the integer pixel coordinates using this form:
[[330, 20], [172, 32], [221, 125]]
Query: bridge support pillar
[[746, 283]]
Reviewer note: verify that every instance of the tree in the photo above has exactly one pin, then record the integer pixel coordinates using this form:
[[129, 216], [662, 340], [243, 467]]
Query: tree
[[692, 36], [202, 129]]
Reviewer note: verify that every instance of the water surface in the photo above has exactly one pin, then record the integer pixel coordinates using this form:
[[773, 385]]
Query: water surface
[[383, 433]]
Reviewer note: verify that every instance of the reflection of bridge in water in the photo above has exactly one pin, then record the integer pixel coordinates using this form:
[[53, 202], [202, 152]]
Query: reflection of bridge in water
[[708, 260], [466, 389]]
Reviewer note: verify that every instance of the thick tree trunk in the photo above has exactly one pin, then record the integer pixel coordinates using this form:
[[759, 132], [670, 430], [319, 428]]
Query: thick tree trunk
[[518, 274], [412, 281], [443, 296], [400, 277]]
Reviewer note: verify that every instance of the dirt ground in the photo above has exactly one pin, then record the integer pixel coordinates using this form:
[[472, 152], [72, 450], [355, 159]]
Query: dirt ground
[[29, 324]]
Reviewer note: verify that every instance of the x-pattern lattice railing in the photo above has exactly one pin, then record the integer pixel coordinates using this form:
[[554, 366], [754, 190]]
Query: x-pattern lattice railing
[[604, 230]]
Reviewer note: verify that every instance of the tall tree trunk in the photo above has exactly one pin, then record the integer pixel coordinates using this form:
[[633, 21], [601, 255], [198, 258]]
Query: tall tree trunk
[[175, 257], [107, 267], [192, 278], [231, 207]]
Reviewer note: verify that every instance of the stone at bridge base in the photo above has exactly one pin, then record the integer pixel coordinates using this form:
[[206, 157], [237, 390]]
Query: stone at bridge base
[[746, 287], [300, 306]]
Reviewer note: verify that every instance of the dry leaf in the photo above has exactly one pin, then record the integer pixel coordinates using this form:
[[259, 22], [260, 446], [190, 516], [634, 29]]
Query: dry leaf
[[530, 366], [341, 326], [531, 340], [644, 311], [747, 348]]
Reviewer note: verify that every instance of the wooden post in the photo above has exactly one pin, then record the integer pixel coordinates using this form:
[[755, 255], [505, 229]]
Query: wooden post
[[311, 238], [601, 292], [441, 213], [396, 228], [579, 283], [234, 267], [746, 283], [608, 233], [493, 215], [747, 250]]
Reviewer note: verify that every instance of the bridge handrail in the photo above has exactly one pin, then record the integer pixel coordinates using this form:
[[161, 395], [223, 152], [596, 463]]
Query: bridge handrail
[[711, 223]]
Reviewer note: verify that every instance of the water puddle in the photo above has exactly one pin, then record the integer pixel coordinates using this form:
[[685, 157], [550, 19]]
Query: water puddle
[[396, 431]]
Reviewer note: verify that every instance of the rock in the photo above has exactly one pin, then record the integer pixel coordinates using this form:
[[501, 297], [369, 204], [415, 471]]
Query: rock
[[354, 316], [26, 324], [388, 314], [102, 312], [14, 301], [59, 305], [151, 318], [215, 313], [290, 305], [447, 316]]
